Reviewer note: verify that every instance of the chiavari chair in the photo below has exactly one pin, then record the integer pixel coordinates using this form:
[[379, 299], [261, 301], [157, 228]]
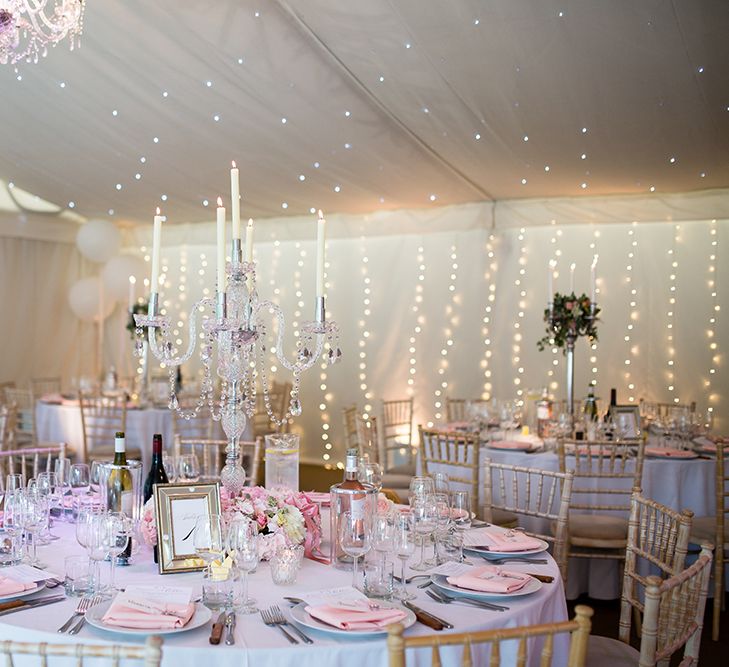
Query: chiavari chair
[[657, 536], [605, 475], [42, 386], [578, 628], [150, 653], [211, 454], [397, 436], [394, 485], [673, 617], [101, 418], [531, 492], [349, 418], [24, 433], [29, 462], [456, 408], [713, 529]]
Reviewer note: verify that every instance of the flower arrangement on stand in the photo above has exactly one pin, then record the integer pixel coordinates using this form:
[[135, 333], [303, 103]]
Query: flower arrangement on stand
[[284, 518], [569, 316]]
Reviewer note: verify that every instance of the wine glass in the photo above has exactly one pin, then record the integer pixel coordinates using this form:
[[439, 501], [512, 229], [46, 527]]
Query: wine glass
[[121, 528], [442, 517], [95, 476], [441, 482], [423, 512], [207, 538], [13, 482], [79, 479], [403, 544], [420, 487], [243, 545], [461, 509], [62, 468], [355, 539], [382, 534], [372, 474], [189, 468], [32, 510], [47, 485]]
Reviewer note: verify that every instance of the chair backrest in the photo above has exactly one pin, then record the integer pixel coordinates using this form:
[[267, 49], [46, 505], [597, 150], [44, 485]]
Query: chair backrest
[[457, 408], [397, 432], [199, 426], [579, 629], [211, 454], [532, 492], [42, 386], [8, 415], [29, 462], [349, 417], [674, 613], [454, 453], [665, 409], [611, 471], [25, 415], [722, 494], [9, 384], [659, 536], [150, 653], [101, 418]]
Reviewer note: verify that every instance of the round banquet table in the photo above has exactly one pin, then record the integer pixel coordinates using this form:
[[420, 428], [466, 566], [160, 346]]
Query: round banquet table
[[62, 423], [677, 483], [259, 645]]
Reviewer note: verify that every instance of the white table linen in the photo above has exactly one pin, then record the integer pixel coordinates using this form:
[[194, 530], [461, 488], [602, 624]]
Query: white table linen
[[261, 646]]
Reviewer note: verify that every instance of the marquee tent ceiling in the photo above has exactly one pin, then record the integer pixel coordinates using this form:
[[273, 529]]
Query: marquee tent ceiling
[[357, 107]]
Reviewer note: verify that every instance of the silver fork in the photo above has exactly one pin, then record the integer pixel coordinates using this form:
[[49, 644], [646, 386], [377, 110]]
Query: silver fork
[[280, 619], [75, 629], [268, 620], [81, 607], [514, 559], [444, 598]]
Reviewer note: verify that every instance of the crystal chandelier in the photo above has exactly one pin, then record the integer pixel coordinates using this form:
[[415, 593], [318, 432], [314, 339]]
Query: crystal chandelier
[[29, 27], [235, 325]]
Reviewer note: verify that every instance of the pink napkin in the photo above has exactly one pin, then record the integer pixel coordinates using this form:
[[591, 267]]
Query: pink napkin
[[509, 444], [319, 497], [495, 539], [490, 579], [9, 586], [670, 452], [362, 618], [173, 616], [458, 426]]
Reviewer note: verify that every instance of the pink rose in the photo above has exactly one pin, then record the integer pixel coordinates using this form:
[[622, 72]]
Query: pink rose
[[569, 305]]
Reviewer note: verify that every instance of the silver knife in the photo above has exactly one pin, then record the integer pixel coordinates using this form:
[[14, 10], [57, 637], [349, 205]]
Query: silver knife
[[418, 610], [230, 625], [29, 604]]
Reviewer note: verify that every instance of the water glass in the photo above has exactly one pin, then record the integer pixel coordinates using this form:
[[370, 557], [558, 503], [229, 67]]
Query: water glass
[[282, 461], [11, 547], [452, 544], [285, 564], [79, 479], [379, 579], [461, 509], [207, 538], [77, 576], [217, 589]]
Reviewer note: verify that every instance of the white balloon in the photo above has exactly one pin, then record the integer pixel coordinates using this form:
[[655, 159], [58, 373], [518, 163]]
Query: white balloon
[[83, 297], [98, 240], [116, 272]]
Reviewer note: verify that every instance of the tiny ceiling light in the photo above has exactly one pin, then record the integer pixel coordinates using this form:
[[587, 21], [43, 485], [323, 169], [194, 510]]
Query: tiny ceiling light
[[546, 167], [283, 121], [382, 79], [284, 205], [672, 160], [118, 186], [71, 204], [433, 197], [523, 181], [114, 113], [302, 177], [347, 114], [477, 136], [205, 202]]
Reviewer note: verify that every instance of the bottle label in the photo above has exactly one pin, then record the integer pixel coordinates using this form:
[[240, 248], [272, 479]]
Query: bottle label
[[119, 445], [357, 508], [542, 411], [351, 465]]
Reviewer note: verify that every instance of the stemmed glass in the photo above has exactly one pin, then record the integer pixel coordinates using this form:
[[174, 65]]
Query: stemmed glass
[[63, 473], [372, 473], [420, 487], [79, 479], [442, 523], [382, 535], [355, 538], [461, 509], [47, 486], [423, 511], [243, 546], [188, 468], [31, 510], [208, 538], [95, 476], [120, 526], [100, 540], [403, 544]]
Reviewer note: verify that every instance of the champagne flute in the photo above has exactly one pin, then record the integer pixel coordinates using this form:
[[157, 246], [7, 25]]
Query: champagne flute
[[461, 509], [243, 545], [48, 486], [423, 512], [32, 510], [442, 517], [62, 468], [355, 539], [404, 547]]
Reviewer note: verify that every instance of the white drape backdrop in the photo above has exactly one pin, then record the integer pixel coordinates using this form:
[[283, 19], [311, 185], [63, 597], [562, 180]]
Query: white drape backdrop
[[403, 332]]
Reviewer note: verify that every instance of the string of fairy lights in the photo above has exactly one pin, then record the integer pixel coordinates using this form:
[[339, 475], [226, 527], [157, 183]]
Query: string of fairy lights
[[555, 255], [419, 320], [519, 284], [326, 397], [713, 285], [441, 390], [632, 289], [489, 275], [364, 332], [670, 314], [594, 366]]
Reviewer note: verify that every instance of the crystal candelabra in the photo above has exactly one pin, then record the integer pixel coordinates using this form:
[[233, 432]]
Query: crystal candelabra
[[235, 323]]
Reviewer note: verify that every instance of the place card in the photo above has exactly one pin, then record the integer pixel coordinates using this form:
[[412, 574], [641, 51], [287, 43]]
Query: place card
[[478, 537], [159, 594], [333, 596], [26, 574], [452, 569]]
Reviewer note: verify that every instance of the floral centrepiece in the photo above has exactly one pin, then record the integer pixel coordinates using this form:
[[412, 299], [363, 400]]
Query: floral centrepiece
[[570, 315], [284, 518]]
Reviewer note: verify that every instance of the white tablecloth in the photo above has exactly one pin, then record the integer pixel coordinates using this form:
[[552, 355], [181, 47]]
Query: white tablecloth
[[678, 484], [62, 423], [260, 646]]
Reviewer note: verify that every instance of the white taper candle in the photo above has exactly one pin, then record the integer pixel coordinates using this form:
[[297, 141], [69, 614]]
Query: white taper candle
[[235, 200], [249, 240], [221, 246], [573, 266], [156, 242], [320, 254], [132, 296]]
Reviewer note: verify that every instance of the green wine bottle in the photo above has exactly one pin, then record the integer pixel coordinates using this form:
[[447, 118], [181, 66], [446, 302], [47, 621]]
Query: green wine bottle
[[121, 490]]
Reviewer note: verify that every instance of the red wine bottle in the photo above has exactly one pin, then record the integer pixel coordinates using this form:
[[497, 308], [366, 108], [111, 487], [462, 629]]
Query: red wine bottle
[[157, 475]]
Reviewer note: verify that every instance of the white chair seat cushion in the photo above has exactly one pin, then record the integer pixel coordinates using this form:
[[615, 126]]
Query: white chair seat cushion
[[598, 531], [607, 652]]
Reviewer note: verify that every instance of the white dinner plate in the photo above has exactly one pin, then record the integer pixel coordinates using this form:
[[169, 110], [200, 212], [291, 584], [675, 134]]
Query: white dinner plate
[[491, 553], [441, 581], [301, 616], [14, 596], [95, 617]]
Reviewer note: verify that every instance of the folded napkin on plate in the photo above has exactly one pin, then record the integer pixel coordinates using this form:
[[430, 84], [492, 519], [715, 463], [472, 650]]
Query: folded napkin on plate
[[9, 586], [498, 539], [669, 452], [355, 618], [510, 444], [490, 579], [152, 617]]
